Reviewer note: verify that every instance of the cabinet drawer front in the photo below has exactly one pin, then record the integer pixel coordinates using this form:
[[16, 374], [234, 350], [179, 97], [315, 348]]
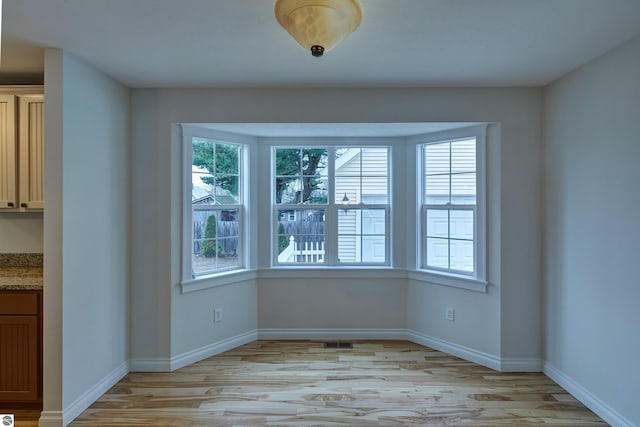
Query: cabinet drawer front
[[18, 303]]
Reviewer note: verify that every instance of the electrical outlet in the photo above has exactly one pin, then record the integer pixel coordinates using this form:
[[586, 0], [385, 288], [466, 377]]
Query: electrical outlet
[[450, 314], [217, 315]]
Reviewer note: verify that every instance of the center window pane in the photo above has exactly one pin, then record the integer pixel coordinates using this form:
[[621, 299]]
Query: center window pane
[[301, 176], [362, 235], [347, 186], [301, 236], [361, 171]]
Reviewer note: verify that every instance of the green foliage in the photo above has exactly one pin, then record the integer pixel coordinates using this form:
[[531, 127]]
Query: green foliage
[[210, 248], [283, 241], [293, 164], [220, 160]]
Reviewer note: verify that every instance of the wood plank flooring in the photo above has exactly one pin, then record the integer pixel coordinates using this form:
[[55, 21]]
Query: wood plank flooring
[[300, 383]]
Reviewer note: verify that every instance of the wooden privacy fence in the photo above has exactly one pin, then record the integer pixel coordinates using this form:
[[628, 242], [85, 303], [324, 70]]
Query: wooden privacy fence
[[306, 252], [225, 231]]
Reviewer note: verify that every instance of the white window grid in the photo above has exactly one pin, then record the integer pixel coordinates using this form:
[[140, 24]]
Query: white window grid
[[478, 209], [332, 210], [188, 274]]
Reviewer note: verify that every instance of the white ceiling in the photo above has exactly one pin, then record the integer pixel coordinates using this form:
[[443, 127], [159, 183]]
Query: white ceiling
[[238, 43]]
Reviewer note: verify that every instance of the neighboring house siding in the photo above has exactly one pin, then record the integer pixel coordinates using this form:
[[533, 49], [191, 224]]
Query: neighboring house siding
[[450, 177], [358, 178]]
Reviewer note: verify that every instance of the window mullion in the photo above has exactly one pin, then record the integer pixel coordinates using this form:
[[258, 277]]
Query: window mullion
[[449, 238], [331, 214], [187, 209], [361, 156]]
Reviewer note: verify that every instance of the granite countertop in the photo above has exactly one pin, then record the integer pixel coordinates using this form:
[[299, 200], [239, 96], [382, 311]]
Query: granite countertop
[[20, 272]]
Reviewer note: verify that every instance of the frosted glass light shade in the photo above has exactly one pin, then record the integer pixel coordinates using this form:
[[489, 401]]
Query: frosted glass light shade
[[318, 25]]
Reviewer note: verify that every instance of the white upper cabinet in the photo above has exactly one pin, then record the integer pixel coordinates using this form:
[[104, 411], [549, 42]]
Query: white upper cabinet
[[8, 153], [31, 152], [21, 152]]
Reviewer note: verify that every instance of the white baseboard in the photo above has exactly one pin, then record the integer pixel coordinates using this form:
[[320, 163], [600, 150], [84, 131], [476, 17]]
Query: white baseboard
[[182, 360], [467, 353], [50, 419], [332, 334], [201, 353], [91, 395], [590, 400]]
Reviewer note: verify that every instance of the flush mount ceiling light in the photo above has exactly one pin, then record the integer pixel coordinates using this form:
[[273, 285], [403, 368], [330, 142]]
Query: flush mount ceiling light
[[319, 25]]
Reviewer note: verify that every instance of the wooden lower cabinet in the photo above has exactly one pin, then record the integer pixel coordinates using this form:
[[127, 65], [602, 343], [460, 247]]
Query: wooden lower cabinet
[[20, 347]]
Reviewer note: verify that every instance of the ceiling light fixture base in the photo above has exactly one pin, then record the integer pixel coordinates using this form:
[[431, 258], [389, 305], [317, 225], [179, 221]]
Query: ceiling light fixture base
[[317, 50]]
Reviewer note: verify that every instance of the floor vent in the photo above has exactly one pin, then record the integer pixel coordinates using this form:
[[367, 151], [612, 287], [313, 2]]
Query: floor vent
[[338, 345]]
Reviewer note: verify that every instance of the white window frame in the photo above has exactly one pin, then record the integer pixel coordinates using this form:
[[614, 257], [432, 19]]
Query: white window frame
[[332, 208], [220, 276], [475, 280]]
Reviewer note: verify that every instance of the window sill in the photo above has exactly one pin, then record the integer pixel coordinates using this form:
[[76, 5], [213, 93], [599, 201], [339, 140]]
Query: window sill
[[425, 276], [332, 273], [221, 279], [453, 280]]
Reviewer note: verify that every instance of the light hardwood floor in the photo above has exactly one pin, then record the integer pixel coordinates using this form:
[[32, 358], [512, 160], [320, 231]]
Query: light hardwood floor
[[300, 383]]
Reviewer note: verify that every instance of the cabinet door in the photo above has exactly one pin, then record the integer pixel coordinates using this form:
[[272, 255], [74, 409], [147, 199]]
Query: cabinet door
[[19, 358], [8, 159], [31, 151]]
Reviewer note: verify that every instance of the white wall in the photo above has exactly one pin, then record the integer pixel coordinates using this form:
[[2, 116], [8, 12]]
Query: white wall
[[332, 303], [505, 320], [87, 160], [167, 325], [477, 326], [592, 232], [21, 232]]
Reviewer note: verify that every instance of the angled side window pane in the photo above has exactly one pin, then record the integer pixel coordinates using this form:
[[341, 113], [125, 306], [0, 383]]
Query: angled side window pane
[[450, 203], [461, 224], [202, 154], [215, 229], [463, 155], [436, 159], [226, 159], [463, 189], [438, 223], [437, 189], [227, 189]]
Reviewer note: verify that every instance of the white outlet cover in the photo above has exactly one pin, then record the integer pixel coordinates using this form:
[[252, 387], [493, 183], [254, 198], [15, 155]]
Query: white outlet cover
[[450, 314]]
